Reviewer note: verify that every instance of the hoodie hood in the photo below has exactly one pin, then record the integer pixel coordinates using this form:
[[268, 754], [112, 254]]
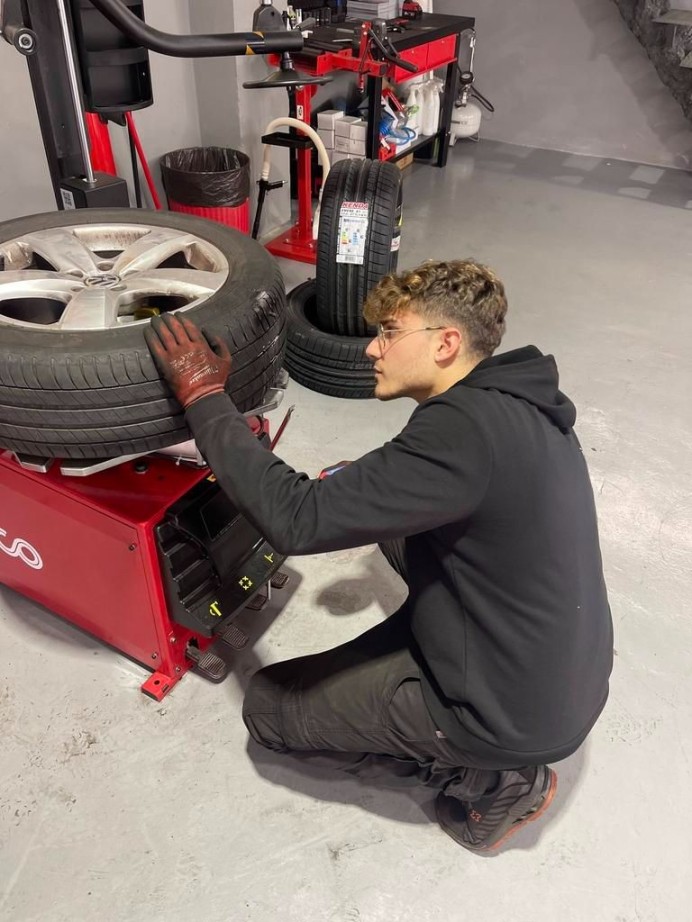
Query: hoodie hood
[[529, 375]]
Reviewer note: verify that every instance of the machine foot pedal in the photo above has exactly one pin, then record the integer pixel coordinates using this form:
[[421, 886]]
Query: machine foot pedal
[[209, 664], [234, 637], [257, 603], [279, 580]]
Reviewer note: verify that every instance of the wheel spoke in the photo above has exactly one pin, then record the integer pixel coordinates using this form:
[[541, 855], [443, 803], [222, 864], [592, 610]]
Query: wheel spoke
[[63, 250], [187, 283], [91, 309], [34, 284], [151, 250]]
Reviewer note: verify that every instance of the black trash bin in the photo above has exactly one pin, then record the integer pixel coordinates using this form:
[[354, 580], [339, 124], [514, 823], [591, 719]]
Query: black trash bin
[[211, 182]]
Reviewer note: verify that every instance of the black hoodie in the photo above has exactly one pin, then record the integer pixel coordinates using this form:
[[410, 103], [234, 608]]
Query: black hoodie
[[489, 487]]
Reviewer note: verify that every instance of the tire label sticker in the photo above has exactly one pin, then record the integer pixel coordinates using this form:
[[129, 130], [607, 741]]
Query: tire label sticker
[[68, 200], [354, 218]]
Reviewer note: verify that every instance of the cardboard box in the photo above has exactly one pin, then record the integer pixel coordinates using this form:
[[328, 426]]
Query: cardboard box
[[358, 130], [328, 118], [338, 155], [342, 144], [356, 147], [327, 137], [405, 162], [342, 126]]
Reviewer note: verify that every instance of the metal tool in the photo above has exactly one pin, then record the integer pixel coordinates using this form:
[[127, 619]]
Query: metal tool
[[280, 430]]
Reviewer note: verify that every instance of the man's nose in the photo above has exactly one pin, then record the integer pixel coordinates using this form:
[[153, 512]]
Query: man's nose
[[373, 350]]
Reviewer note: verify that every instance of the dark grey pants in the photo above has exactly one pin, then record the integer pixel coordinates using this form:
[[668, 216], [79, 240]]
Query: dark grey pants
[[360, 708]]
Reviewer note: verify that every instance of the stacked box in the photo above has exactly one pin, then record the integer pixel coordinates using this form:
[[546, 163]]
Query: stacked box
[[328, 117], [344, 136], [326, 122], [327, 137], [349, 137], [342, 127]]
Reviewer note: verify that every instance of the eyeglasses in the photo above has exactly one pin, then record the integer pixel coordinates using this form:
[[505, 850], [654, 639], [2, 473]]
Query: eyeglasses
[[384, 335]]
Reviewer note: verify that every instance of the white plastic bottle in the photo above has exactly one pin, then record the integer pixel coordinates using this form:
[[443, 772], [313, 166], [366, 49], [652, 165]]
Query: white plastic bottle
[[414, 103], [431, 110], [424, 96]]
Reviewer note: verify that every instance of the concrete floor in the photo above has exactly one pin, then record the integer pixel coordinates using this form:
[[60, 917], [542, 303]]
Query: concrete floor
[[117, 809]]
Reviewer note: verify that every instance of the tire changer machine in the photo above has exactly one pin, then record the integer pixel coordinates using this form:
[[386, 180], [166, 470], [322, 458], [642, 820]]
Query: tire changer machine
[[147, 554]]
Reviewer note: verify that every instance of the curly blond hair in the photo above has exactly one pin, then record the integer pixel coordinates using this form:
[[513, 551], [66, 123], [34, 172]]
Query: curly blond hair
[[457, 292]]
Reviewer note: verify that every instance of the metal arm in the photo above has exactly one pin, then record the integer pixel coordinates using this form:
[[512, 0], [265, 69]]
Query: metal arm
[[196, 46], [13, 30], [389, 52]]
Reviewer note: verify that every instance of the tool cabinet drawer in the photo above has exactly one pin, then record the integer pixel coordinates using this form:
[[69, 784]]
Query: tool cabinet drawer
[[417, 56], [440, 52]]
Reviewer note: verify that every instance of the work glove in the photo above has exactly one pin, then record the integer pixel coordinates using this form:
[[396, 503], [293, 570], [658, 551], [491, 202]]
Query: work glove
[[193, 365]]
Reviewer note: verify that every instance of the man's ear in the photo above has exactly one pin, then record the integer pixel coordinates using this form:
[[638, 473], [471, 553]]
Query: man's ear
[[451, 345]]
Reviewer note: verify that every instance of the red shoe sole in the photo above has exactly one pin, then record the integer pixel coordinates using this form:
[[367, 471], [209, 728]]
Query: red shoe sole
[[547, 800]]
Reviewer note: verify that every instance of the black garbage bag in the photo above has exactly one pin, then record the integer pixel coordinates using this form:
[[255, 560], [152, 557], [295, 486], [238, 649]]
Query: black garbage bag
[[206, 177]]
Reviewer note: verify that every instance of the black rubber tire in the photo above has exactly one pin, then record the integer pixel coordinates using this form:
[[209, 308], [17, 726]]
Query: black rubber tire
[[98, 394], [342, 287], [325, 362]]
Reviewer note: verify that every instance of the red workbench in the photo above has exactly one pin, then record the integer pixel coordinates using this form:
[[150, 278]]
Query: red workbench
[[431, 42]]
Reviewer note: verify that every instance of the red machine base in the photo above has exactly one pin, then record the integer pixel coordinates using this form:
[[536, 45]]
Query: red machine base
[[133, 555], [294, 244]]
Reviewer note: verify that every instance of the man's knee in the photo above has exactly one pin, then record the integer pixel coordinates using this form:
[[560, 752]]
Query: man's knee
[[261, 710]]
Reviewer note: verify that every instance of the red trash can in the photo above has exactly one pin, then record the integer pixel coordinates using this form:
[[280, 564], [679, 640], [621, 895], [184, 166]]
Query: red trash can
[[211, 182]]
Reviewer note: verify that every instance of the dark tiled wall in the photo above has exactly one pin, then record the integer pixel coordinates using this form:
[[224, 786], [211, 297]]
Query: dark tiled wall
[[665, 45]]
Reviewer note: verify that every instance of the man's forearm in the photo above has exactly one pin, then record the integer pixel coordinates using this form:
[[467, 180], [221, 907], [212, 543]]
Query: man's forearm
[[416, 482], [246, 471]]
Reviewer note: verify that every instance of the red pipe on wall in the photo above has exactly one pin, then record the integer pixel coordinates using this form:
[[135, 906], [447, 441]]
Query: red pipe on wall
[[102, 159], [143, 160]]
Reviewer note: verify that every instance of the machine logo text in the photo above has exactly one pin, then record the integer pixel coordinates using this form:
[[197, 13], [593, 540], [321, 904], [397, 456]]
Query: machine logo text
[[21, 549]]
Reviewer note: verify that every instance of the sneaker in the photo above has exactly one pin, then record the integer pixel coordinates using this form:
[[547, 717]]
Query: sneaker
[[484, 824]]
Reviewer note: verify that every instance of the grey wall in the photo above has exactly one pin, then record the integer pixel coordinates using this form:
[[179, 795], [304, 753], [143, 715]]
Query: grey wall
[[230, 115], [566, 75], [569, 75], [24, 182], [171, 122]]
